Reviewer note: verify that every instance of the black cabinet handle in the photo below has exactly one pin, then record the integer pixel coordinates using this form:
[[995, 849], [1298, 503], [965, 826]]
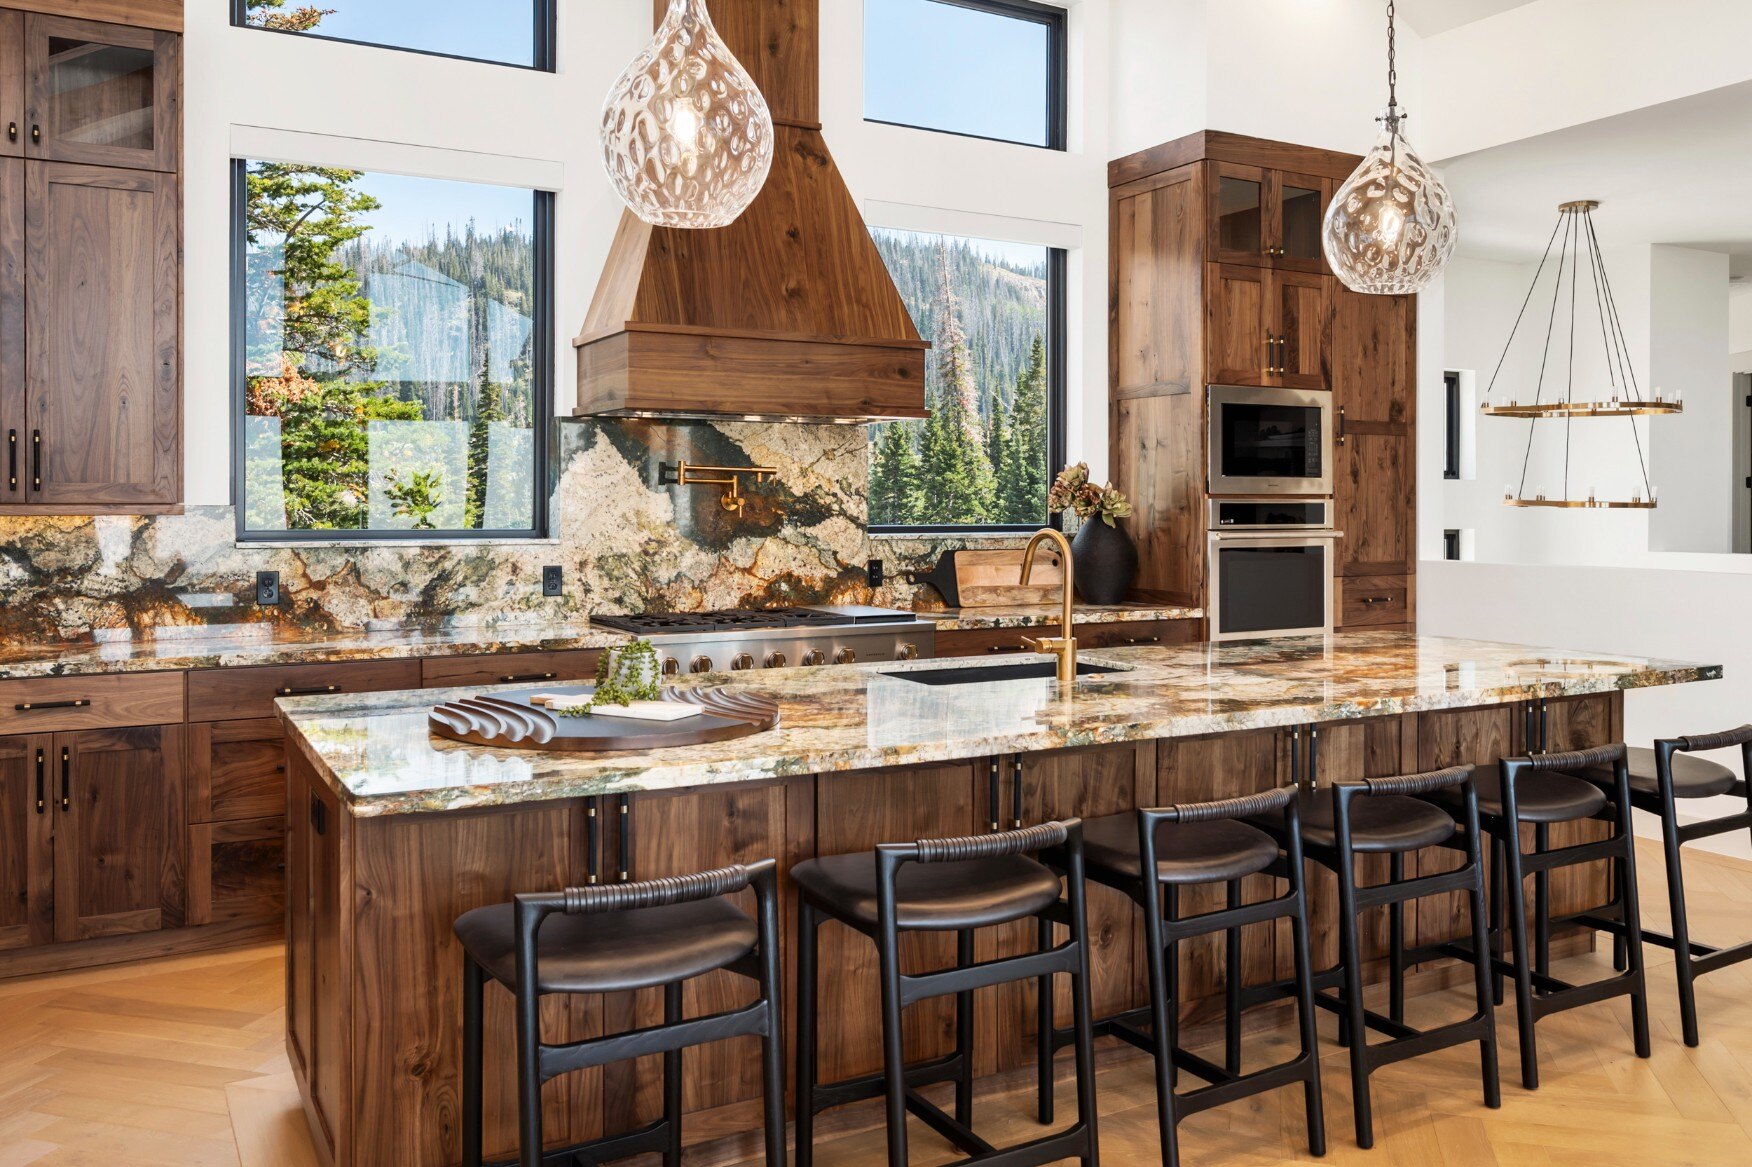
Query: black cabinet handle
[[66, 778], [36, 459], [42, 776], [76, 703], [626, 838], [1296, 757], [1314, 757], [307, 691], [1544, 727], [992, 796], [1016, 798], [511, 678], [592, 842], [11, 459]]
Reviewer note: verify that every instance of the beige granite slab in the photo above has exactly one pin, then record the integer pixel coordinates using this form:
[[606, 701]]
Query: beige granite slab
[[263, 644], [1038, 615], [376, 750]]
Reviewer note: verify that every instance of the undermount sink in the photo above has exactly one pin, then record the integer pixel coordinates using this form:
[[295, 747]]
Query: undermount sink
[[1044, 670]]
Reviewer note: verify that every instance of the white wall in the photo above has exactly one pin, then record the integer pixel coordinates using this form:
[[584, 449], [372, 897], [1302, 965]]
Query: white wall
[[1691, 455]]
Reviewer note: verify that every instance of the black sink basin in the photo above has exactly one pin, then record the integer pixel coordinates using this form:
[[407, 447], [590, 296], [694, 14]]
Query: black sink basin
[[1044, 670]]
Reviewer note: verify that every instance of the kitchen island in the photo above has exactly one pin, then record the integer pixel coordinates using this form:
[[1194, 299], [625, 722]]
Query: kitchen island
[[394, 833]]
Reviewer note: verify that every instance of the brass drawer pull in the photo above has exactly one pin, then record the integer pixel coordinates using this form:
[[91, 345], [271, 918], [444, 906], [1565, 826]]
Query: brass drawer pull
[[512, 678], [12, 131], [308, 691], [75, 703], [1143, 640], [1377, 599], [1007, 648]]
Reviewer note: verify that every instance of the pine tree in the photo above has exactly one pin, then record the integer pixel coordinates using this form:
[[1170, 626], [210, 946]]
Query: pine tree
[[489, 408], [954, 467], [954, 366], [1024, 475], [896, 492]]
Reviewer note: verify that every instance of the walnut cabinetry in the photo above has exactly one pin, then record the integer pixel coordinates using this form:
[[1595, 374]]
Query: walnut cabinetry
[[1217, 278], [958, 642], [90, 263]]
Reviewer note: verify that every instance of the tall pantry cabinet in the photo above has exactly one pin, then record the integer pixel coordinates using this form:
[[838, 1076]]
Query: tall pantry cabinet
[[90, 258]]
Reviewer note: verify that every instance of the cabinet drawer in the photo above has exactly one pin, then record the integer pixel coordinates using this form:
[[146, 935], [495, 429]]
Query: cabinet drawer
[[236, 694], [511, 668], [989, 641], [42, 704], [237, 870], [1137, 632], [237, 770], [1371, 601]]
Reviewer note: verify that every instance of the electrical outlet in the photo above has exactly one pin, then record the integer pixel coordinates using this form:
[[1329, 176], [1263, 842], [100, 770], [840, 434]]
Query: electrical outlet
[[877, 573], [267, 588], [553, 580]]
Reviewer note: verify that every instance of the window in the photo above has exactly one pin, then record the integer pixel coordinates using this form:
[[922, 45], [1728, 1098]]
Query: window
[[505, 32], [1451, 544], [1451, 426], [994, 380], [983, 68], [393, 354]]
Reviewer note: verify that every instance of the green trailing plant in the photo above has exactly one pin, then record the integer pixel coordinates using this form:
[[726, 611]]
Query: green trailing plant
[[624, 675]]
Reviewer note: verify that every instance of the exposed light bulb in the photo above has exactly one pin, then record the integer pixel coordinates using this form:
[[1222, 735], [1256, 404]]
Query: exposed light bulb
[[686, 135]]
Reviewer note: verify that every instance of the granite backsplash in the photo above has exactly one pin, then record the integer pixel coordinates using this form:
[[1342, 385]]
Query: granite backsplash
[[625, 542]]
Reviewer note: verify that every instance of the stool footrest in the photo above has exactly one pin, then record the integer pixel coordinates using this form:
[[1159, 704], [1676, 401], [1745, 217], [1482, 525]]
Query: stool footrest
[[831, 1094], [963, 978], [1710, 828], [1459, 879], [650, 1139], [554, 1060], [1418, 1042], [1562, 996], [946, 1125], [1233, 1087]]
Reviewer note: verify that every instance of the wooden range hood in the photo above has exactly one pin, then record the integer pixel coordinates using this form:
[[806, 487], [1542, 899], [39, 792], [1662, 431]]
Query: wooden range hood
[[788, 313]]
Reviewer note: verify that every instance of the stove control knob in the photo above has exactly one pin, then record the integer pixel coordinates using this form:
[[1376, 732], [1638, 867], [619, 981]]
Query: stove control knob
[[815, 657], [844, 656], [742, 661], [671, 666], [775, 660], [907, 652], [701, 664]]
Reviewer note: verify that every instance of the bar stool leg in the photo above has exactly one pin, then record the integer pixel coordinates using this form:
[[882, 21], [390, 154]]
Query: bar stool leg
[[772, 1049], [808, 936], [893, 1047], [964, 1034], [1163, 1005], [1619, 954], [1351, 954], [1482, 967], [1313, 1107], [1232, 988], [1171, 903], [1499, 920], [1084, 1021], [1681, 925], [1043, 1029], [672, 1079], [529, 1126], [473, 989], [1396, 943], [1542, 905], [1515, 904], [1639, 994]]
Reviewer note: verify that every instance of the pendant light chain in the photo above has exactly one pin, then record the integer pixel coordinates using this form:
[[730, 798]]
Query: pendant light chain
[[1392, 61]]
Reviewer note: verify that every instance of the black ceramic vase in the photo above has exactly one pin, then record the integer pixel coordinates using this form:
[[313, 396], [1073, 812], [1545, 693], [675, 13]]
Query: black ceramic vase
[[1107, 562]]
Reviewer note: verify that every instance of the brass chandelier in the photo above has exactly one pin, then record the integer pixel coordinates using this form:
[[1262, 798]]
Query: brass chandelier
[[1624, 397]]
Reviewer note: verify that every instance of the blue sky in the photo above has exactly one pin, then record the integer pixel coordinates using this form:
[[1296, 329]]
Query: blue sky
[[493, 30], [949, 68], [411, 205]]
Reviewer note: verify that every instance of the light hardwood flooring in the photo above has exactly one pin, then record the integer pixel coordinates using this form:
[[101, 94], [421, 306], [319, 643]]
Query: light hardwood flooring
[[180, 1062]]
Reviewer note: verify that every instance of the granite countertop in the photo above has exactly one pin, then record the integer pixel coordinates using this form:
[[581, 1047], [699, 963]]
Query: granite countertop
[[1036, 615], [378, 754], [219, 646]]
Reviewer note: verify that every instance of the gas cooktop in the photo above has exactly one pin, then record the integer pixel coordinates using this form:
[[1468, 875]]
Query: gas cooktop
[[773, 638], [752, 619]]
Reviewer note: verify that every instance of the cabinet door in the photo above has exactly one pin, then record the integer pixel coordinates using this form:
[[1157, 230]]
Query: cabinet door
[[1374, 355], [1348, 751], [1576, 723], [103, 94], [1298, 209], [12, 124], [26, 871], [1238, 325], [1458, 737], [120, 831], [103, 352], [14, 432], [237, 870], [1302, 306], [1373, 493], [237, 770], [1238, 200]]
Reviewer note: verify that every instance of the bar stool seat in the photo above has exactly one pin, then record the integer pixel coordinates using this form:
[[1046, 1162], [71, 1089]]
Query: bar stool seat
[[1384, 824], [939, 897], [612, 952], [1692, 777], [1542, 798], [1187, 853]]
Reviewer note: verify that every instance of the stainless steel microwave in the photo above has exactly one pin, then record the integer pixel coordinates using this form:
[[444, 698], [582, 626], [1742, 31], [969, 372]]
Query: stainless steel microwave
[[1269, 441]]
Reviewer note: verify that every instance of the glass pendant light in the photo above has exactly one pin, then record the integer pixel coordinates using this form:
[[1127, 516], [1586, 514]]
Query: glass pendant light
[[687, 136], [1391, 226]]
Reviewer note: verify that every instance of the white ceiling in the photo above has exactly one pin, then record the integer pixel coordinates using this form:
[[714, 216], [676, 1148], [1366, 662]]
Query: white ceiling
[[1677, 173], [1429, 17]]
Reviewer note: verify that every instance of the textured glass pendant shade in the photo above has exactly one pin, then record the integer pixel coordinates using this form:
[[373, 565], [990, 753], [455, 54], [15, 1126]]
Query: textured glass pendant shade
[[1390, 227], [686, 135]]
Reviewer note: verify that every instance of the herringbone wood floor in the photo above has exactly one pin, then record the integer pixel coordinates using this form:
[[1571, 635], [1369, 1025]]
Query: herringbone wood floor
[[179, 1062]]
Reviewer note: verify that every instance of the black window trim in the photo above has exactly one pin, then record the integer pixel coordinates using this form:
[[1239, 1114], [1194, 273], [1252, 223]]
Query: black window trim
[[1451, 544], [542, 407], [1057, 71], [545, 56], [1451, 425], [1057, 319]]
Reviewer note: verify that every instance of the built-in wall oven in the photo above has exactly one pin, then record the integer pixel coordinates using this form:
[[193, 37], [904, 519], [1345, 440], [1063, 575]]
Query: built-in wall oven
[[1269, 441], [1272, 567]]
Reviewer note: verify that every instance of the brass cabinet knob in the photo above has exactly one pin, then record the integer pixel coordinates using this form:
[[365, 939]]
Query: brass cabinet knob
[[775, 660], [815, 657], [844, 656], [742, 661], [701, 664], [907, 652]]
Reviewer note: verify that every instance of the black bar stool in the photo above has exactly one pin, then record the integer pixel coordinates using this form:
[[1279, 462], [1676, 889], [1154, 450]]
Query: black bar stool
[[1390, 816], [1659, 778], [1540, 791], [614, 938], [1192, 845], [945, 885]]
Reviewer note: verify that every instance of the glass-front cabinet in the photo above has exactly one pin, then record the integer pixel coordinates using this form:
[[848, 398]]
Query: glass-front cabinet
[[100, 94], [1268, 218]]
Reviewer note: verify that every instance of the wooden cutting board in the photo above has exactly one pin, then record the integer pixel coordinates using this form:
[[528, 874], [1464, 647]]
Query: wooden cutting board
[[987, 579]]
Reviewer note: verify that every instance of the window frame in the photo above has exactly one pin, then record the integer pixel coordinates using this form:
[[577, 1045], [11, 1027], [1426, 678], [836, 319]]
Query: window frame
[[1056, 20], [1057, 326], [544, 58], [541, 377], [1451, 426], [1451, 544]]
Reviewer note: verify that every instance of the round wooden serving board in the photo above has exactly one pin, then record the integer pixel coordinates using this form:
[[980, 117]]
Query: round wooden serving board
[[510, 721]]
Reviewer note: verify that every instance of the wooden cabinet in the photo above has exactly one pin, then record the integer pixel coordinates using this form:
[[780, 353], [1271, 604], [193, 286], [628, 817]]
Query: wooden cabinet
[[103, 94], [14, 426], [1267, 217], [12, 119], [510, 668], [960, 642], [1374, 378], [26, 848], [249, 693], [1267, 327]]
